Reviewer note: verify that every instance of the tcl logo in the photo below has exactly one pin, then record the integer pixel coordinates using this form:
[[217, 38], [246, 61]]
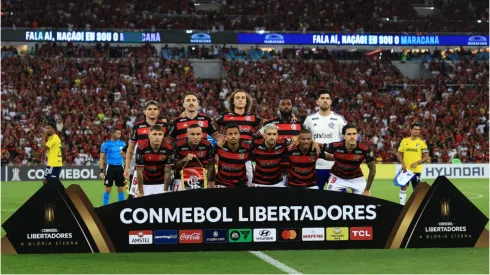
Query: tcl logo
[[190, 236], [361, 233]]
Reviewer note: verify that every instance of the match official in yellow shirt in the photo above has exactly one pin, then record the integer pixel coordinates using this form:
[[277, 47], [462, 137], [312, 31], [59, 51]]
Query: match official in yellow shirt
[[53, 153], [412, 152]]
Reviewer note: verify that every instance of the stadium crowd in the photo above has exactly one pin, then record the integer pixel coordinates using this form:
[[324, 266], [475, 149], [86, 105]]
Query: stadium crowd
[[87, 90], [296, 15]]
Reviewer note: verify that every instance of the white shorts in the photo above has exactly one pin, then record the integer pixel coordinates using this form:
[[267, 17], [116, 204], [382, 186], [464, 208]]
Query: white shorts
[[153, 189], [339, 184], [220, 186], [133, 185], [280, 184]]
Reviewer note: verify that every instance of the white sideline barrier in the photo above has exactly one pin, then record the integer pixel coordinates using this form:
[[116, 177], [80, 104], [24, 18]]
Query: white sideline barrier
[[454, 171]]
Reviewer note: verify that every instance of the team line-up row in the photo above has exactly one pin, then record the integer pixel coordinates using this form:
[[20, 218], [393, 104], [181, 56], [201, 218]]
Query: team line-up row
[[252, 152]]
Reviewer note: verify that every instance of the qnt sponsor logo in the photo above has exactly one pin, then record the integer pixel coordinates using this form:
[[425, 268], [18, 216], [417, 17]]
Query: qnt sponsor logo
[[361, 233], [190, 236]]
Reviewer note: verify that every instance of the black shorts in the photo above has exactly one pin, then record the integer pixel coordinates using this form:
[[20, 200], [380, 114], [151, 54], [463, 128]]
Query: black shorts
[[415, 180], [114, 173], [52, 172]]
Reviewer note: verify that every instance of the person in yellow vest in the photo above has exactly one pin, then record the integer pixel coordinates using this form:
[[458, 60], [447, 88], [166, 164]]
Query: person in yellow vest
[[412, 152], [53, 152]]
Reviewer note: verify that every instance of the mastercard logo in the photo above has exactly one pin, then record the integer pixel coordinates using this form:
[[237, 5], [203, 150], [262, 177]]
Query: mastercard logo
[[289, 234]]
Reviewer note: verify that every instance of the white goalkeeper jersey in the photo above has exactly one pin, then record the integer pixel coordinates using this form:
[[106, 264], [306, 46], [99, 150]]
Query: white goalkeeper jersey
[[325, 129]]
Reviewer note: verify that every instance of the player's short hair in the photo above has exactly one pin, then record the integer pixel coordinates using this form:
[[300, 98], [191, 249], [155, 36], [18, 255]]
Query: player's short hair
[[348, 126], [52, 125], [113, 130], [415, 125], [321, 92], [231, 101], [231, 126], [151, 103], [269, 127], [190, 93], [284, 98], [193, 126], [304, 131], [156, 128]]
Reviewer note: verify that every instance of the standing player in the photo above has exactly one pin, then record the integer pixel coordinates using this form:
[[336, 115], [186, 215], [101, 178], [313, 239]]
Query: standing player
[[302, 159], [139, 135], [287, 127], [113, 170], [268, 154], [178, 130], [193, 151], [348, 155], [240, 103], [412, 152], [234, 165], [326, 127], [154, 163], [55, 159]]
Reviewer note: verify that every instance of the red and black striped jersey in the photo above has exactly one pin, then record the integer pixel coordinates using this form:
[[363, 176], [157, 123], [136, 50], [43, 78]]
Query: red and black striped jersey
[[231, 165], [348, 163], [302, 171], [204, 151], [247, 123], [179, 127], [286, 129], [141, 130], [268, 161], [154, 162]]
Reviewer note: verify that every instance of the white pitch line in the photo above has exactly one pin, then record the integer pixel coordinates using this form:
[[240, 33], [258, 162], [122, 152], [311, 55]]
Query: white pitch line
[[477, 196], [268, 259]]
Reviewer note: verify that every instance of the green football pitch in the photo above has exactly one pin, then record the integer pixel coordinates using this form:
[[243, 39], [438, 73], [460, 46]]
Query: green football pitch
[[464, 260]]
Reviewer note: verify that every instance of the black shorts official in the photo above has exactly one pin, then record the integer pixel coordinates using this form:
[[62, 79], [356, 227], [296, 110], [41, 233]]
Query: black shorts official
[[114, 173]]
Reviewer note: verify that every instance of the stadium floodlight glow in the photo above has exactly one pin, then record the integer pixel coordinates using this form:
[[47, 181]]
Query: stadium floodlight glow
[[479, 21], [188, 31], [261, 32]]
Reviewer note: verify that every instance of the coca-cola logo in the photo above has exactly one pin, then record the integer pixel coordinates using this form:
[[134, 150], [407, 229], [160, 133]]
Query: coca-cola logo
[[190, 236]]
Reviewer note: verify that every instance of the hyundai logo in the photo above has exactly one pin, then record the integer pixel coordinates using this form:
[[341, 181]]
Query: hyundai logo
[[264, 233]]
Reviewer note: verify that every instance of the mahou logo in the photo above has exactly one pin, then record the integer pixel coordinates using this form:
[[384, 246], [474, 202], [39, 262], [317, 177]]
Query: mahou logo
[[190, 236]]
